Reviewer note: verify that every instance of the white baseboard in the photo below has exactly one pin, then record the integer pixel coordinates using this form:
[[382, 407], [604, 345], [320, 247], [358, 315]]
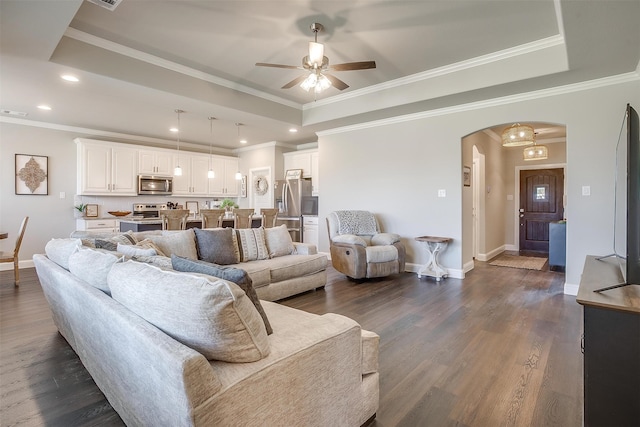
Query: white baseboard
[[468, 266], [570, 289], [494, 253], [27, 263], [511, 248], [454, 273]]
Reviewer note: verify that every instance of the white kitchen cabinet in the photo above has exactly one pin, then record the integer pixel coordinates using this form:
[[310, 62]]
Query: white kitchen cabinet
[[97, 225], [225, 182], [106, 168], [299, 160], [310, 230], [193, 181], [315, 174], [155, 162]]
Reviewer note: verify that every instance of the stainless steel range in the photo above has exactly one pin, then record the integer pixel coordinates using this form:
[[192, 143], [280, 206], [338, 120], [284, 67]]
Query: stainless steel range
[[151, 210]]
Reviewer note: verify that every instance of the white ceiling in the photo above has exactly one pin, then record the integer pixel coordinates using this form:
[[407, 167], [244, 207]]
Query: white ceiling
[[139, 63]]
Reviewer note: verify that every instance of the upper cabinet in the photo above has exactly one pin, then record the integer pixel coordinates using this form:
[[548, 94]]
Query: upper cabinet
[[315, 174], [299, 160], [154, 162], [224, 183], [193, 181], [109, 168], [106, 168], [306, 160]]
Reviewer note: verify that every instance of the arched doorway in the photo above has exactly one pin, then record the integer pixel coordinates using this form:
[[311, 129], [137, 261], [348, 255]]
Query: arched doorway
[[490, 205]]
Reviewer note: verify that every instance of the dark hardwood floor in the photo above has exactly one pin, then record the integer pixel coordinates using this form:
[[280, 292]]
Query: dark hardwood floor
[[499, 348]]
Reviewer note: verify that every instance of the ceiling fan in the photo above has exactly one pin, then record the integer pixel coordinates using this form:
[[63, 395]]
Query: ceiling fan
[[317, 64]]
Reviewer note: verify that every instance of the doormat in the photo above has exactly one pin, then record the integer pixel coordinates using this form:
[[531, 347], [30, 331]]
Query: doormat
[[515, 261]]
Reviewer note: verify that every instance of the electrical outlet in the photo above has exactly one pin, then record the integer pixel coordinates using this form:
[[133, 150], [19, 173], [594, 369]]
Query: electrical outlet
[[63, 195], [442, 193], [586, 190]]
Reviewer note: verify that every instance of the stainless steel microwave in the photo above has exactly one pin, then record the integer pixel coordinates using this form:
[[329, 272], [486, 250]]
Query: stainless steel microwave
[[148, 184]]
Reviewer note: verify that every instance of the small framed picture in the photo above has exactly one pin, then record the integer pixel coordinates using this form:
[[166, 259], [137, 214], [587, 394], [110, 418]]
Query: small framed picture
[[193, 208], [32, 174], [92, 211], [243, 186], [466, 176]]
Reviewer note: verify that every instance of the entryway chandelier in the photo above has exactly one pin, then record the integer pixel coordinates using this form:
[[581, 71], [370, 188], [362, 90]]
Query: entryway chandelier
[[535, 152], [518, 135]]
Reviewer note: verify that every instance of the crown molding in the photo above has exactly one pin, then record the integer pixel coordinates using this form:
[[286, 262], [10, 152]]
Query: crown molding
[[112, 136], [515, 51], [263, 145], [170, 65], [510, 99]]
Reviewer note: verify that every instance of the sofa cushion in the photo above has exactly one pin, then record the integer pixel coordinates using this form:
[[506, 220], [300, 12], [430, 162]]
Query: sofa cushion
[[93, 267], [59, 250], [148, 244], [251, 244], [111, 243], [278, 241], [181, 243], [212, 316], [232, 274], [217, 245], [292, 266], [133, 250], [258, 272]]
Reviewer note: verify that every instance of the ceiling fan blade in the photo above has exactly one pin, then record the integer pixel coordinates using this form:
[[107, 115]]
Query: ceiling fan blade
[[264, 64], [350, 66], [294, 82], [336, 82]]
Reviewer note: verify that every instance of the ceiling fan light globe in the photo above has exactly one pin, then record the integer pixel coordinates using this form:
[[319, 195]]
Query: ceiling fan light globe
[[316, 53]]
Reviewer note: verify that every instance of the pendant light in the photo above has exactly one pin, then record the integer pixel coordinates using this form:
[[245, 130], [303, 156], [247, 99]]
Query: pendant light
[[535, 152], [518, 135], [177, 171], [211, 173], [238, 175]]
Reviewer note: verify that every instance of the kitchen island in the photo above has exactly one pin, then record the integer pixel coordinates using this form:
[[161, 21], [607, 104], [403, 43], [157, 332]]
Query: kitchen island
[[148, 224]]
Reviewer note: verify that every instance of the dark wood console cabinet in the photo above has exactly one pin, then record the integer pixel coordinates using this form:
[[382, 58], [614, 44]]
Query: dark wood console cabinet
[[611, 346]]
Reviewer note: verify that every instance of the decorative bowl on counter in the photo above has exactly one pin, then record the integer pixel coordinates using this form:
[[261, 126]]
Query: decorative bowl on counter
[[119, 213]]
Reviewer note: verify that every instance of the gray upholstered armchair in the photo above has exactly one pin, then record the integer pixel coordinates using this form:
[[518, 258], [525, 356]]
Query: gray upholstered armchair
[[358, 248]]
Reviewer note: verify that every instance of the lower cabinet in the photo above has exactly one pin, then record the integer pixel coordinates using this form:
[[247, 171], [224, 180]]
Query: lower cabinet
[[97, 225], [310, 233]]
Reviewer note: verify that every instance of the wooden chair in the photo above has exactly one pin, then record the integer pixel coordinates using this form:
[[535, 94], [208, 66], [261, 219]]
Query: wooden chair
[[269, 217], [13, 256], [174, 219], [242, 218], [212, 218]]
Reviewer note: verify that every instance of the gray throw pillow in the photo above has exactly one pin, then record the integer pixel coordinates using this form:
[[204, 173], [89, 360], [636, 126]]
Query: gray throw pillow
[[232, 274], [218, 246]]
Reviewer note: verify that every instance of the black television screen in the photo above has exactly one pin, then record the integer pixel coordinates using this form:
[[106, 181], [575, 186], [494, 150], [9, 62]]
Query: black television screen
[[632, 275], [627, 201]]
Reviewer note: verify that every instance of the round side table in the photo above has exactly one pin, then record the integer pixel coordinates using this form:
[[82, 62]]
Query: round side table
[[434, 245]]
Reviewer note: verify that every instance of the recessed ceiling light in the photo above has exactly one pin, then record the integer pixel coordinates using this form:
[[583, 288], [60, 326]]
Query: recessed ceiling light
[[293, 130], [243, 141], [44, 107], [174, 130], [70, 78]]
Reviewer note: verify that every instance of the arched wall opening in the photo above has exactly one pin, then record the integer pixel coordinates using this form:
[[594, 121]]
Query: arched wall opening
[[490, 202]]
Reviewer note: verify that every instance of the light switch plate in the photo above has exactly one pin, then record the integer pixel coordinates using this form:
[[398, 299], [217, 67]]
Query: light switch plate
[[442, 193], [586, 190], [62, 195]]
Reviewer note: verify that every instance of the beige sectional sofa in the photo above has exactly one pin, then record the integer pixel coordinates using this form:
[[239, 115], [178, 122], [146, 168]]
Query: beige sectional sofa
[[287, 268], [186, 349]]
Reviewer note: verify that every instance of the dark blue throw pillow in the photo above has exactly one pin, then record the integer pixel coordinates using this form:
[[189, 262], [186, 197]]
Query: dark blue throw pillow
[[232, 274]]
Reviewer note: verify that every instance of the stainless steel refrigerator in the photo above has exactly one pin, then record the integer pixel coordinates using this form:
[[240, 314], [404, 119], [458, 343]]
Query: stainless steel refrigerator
[[293, 199]]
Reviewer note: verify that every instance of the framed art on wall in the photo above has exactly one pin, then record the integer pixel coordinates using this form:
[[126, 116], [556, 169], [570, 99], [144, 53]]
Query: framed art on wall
[[91, 211], [466, 176], [32, 174]]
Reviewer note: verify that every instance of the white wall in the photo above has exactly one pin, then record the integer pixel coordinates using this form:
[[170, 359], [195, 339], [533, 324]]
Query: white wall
[[49, 216], [395, 168]]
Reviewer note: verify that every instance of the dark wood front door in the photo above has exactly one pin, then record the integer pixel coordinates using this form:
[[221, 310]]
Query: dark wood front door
[[540, 203]]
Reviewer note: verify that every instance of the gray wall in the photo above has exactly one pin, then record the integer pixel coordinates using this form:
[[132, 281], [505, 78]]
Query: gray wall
[[395, 167]]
